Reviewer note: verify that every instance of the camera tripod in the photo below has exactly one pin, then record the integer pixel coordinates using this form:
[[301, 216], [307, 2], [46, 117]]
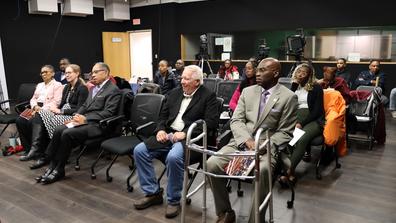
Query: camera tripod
[[202, 62], [294, 66]]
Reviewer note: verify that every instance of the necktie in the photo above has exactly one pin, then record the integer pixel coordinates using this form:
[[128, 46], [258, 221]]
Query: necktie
[[95, 90], [263, 101]]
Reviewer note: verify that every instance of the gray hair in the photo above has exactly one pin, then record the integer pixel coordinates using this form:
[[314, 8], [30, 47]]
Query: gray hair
[[196, 71], [104, 66]]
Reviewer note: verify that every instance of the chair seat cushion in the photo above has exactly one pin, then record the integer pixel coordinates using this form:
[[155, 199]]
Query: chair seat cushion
[[120, 145], [317, 141], [8, 118]]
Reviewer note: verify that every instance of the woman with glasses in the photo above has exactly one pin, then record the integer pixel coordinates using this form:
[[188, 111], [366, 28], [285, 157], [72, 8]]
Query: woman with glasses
[[74, 95], [47, 95]]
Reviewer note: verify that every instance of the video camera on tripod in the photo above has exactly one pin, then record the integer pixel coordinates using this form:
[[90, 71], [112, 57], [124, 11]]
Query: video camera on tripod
[[203, 55], [203, 47], [263, 51], [296, 44], [295, 47]]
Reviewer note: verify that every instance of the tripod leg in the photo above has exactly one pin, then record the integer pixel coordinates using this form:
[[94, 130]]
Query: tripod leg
[[210, 68]]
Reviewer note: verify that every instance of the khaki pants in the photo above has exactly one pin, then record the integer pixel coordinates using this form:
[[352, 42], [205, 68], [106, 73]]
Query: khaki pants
[[216, 164]]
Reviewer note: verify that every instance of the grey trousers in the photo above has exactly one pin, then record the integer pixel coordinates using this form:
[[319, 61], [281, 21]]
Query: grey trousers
[[216, 164]]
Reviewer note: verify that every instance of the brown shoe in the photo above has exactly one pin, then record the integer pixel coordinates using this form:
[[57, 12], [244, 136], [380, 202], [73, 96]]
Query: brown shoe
[[227, 217], [148, 201], [172, 210]]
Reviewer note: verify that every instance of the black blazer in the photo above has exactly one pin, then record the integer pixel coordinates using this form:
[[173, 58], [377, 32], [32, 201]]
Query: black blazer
[[315, 104], [77, 97], [203, 105], [104, 105]]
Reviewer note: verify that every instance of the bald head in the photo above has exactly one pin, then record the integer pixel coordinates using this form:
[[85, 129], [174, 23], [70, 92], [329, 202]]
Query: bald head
[[268, 72]]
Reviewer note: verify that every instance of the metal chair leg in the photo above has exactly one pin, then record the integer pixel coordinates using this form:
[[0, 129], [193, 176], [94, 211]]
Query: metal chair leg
[[129, 187], [77, 166], [5, 127], [108, 177], [93, 175], [318, 172], [162, 174]]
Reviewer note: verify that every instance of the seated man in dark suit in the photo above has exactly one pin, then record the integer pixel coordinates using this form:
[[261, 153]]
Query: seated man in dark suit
[[182, 107], [267, 103], [102, 102]]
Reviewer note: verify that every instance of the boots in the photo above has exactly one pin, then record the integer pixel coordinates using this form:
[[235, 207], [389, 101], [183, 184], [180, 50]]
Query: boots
[[38, 135]]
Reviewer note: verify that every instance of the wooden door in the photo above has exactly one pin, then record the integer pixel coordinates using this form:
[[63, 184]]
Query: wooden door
[[116, 53]]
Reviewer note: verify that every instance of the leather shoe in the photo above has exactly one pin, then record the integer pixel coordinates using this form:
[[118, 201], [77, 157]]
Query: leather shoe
[[53, 177], [39, 163], [227, 217], [46, 174], [30, 156], [149, 200], [172, 210]]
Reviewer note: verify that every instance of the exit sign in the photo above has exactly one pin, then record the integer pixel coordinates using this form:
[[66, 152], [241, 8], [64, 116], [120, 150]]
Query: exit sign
[[136, 22]]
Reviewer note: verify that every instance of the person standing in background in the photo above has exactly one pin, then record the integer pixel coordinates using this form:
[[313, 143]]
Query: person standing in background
[[60, 74]]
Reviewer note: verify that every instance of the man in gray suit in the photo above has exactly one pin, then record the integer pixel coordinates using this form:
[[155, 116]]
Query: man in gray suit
[[267, 103], [102, 102]]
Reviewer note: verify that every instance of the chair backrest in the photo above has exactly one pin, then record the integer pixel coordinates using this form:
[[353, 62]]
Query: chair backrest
[[365, 88], [150, 88], [285, 81], [225, 90], [25, 92], [146, 107], [212, 75], [211, 83], [115, 128]]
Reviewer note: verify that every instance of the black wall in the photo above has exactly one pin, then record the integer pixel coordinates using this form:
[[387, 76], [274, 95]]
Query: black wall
[[27, 39]]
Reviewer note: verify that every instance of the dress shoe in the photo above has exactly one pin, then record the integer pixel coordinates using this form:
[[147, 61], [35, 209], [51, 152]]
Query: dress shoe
[[30, 156], [46, 174], [227, 217], [148, 201], [39, 163], [53, 177], [172, 210]]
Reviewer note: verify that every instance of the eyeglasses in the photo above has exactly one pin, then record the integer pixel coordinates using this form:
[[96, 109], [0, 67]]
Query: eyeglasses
[[44, 72], [68, 73], [96, 71]]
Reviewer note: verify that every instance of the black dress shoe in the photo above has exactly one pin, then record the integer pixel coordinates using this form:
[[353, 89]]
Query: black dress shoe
[[53, 177], [46, 174], [30, 156], [39, 163]]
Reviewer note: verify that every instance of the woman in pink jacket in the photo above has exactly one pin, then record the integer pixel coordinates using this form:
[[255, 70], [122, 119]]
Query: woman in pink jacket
[[250, 71], [47, 95]]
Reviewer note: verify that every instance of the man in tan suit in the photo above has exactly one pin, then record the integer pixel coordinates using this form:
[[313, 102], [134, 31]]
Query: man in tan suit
[[267, 103]]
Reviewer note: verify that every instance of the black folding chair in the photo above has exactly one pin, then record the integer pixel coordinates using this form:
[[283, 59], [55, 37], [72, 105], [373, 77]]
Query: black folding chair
[[285, 81], [365, 113], [145, 111], [211, 83], [112, 127], [25, 93], [225, 90]]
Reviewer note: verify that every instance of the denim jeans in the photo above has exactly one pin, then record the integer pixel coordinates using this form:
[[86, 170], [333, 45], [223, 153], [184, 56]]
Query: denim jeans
[[392, 100], [173, 157]]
